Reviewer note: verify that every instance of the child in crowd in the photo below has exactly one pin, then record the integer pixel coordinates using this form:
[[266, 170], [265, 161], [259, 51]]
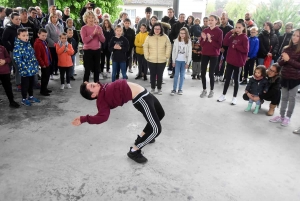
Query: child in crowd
[[64, 52], [257, 85], [27, 64], [196, 57], [74, 44], [5, 76], [119, 46], [211, 43], [139, 42], [253, 50], [181, 57], [205, 23], [43, 56], [112, 95], [196, 29], [129, 34]]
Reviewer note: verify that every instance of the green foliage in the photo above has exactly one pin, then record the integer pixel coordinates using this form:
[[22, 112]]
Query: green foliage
[[236, 9], [286, 11], [210, 7], [107, 6]]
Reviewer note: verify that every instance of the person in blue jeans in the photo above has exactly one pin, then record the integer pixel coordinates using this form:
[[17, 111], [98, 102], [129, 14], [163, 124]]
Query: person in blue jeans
[[181, 57], [119, 46]]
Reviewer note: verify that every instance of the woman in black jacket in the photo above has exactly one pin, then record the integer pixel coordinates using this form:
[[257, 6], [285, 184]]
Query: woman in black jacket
[[268, 44], [109, 33], [273, 94]]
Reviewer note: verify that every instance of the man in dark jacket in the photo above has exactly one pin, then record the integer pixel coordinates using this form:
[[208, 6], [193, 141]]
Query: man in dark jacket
[[286, 37], [29, 25], [32, 17], [225, 27], [8, 39]]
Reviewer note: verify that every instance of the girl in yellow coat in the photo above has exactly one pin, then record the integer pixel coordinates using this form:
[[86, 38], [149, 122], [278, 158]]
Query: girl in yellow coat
[[139, 42]]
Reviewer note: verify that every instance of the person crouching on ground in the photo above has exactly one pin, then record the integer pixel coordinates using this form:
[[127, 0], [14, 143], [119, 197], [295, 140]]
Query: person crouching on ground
[[112, 95]]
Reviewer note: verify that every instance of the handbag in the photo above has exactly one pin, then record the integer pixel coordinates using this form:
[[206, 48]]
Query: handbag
[[268, 60]]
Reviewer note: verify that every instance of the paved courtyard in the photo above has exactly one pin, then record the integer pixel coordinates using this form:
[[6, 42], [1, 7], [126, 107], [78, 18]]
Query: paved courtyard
[[206, 151]]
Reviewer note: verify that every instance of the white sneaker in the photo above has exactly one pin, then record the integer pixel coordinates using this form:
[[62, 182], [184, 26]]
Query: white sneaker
[[130, 70], [92, 75], [101, 76], [159, 92], [188, 71], [234, 100], [62, 86], [163, 82], [216, 78], [170, 72], [222, 98], [51, 77], [211, 94], [69, 86]]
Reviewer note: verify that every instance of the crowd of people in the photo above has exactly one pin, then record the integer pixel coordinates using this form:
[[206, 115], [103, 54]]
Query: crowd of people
[[265, 61]]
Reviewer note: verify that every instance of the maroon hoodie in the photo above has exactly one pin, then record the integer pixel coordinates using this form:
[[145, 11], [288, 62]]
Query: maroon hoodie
[[110, 96], [238, 48], [213, 48], [5, 69]]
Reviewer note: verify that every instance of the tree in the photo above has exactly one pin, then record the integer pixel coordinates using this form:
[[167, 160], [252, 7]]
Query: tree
[[287, 11], [236, 9], [107, 6], [210, 7]]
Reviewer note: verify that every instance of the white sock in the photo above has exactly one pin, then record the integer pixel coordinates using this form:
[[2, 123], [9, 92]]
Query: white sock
[[132, 150]]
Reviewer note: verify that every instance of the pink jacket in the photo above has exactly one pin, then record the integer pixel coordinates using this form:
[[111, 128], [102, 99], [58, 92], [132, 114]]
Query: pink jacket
[[90, 41]]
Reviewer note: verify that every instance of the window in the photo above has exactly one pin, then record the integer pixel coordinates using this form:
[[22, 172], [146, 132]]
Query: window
[[159, 14], [197, 15], [131, 14]]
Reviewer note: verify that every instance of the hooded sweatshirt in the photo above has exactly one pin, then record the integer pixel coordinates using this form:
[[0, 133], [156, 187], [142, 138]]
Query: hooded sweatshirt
[[213, 48], [110, 96], [4, 69], [238, 48]]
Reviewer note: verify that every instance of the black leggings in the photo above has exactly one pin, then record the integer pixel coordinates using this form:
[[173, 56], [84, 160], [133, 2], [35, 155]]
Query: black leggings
[[236, 74], [64, 71], [153, 112], [91, 62], [156, 69], [27, 86], [45, 79], [5, 79], [143, 68], [105, 54], [204, 63]]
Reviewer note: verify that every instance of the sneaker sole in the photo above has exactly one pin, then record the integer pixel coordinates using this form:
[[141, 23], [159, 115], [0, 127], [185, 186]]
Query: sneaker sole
[[129, 155], [221, 100]]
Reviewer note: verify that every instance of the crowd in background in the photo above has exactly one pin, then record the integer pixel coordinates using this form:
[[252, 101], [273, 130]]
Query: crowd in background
[[236, 53]]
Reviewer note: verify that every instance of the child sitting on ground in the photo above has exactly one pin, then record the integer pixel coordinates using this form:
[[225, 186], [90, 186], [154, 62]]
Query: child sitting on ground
[[64, 52], [27, 64], [257, 84]]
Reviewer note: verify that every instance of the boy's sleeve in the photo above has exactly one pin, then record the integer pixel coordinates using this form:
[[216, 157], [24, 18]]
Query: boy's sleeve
[[6, 56], [38, 55], [99, 118]]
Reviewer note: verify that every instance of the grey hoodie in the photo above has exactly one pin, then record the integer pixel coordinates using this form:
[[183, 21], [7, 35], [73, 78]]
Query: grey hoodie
[[53, 33]]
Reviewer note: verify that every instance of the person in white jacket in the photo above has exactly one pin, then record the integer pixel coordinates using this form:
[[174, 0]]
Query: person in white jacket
[[181, 57]]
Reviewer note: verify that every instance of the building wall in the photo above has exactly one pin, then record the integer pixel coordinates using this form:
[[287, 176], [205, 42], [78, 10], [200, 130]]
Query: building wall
[[185, 6]]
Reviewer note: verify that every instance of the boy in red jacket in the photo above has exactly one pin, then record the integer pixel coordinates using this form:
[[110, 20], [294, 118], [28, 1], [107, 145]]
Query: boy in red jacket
[[43, 55], [112, 95], [5, 76]]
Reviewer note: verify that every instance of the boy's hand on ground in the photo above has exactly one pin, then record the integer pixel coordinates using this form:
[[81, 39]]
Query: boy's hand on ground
[[76, 121]]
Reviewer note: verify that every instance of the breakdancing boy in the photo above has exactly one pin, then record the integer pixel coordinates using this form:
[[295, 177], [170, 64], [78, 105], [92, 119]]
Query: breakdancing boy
[[112, 95]]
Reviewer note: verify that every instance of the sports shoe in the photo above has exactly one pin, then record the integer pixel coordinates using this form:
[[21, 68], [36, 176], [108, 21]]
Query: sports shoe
[[152, 91], [244, 82], [172, 75], [51, 77], [14, 104], [198, 77], [101, 76], [138, 77], [62, 86], [137, 156], [163, 82], [221, 98], [216, 78], [159, 92], [203, 94], [72, 78], [170, 72], [130, 70], [277, 119], [69, 86], [234, 100], [285, 121], [297, 131], [211, 94], [193, 77], [26, 102], [34, 100], [173, 92], [188, 70], [108, 75], [104, 74], [180, 92]]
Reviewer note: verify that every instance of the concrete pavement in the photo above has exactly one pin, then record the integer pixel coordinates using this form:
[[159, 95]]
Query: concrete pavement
[[206, 151]]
